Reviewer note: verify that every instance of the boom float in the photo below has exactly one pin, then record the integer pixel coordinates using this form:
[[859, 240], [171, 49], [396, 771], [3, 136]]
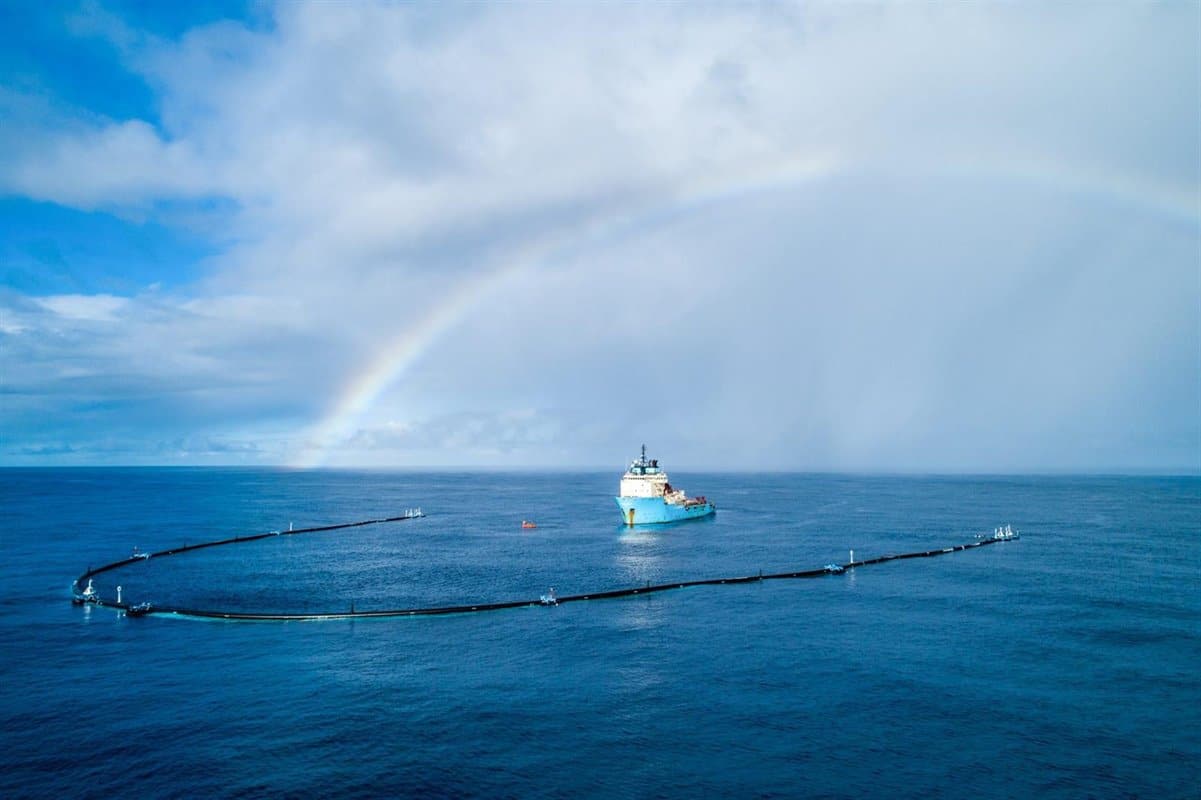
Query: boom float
[[90, 595]]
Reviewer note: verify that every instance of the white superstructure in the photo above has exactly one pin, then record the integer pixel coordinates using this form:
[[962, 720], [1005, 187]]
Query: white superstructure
[[645, 478]]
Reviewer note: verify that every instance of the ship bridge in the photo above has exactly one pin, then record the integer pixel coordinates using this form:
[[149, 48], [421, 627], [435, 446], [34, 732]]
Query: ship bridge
[[644, 478]]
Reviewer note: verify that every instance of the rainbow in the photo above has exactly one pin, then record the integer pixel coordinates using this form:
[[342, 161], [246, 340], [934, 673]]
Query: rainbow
[[1165, 201], [392, 362]]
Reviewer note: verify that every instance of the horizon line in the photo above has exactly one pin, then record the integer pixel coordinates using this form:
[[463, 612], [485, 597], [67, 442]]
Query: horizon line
[[1164, 472]]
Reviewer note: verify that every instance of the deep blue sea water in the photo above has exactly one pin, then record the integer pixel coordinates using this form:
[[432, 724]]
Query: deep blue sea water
[[1062, 665]]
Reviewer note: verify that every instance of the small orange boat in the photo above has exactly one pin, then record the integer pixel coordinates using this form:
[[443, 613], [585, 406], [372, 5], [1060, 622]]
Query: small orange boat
[[525, 523]]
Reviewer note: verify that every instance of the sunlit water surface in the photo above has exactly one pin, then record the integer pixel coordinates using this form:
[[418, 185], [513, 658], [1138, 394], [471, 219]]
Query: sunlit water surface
[[1061, 665]]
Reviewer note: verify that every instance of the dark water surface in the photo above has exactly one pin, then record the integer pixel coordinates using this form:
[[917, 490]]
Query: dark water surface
[[1065, 664]]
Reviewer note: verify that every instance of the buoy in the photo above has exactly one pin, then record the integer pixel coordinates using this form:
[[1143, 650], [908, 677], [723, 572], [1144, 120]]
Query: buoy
[[118, 595], [852, 556]]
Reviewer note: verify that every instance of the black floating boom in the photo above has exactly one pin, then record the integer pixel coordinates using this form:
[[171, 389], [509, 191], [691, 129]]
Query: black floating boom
[[146, 608]]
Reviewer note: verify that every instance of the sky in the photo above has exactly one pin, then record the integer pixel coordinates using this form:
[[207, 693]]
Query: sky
[[911, 237]]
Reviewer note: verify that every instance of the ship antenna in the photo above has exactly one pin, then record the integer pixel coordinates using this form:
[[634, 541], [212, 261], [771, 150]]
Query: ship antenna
[[644, 452]]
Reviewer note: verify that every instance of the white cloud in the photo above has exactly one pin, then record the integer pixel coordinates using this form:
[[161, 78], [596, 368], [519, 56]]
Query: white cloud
[[121, 164], [96, 307], [743, 216]]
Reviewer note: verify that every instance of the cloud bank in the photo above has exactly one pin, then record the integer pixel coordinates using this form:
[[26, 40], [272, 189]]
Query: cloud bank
[[784, 237]]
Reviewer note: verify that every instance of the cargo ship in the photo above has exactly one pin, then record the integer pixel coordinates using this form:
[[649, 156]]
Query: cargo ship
[[647, 498]]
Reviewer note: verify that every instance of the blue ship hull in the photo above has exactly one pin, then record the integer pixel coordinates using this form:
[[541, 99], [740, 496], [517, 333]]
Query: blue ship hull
[[656, 510]]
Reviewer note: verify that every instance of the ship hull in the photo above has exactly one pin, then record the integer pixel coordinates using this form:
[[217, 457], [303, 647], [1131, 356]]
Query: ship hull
[[656, 510]]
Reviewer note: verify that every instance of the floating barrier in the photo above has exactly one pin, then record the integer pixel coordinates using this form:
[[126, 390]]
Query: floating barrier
[[91, 596]]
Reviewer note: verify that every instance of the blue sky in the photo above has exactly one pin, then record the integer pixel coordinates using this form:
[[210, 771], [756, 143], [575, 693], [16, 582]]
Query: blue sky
[[829, 237]]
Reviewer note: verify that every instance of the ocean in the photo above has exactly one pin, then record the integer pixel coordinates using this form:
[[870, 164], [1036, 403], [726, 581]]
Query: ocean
[[1066, 664]]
